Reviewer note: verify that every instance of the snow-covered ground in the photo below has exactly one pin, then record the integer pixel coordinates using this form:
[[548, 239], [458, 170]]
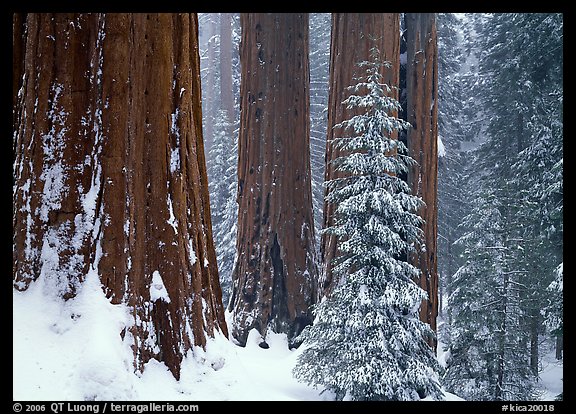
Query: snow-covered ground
[[550, 382], [551, 373], [73, 351]]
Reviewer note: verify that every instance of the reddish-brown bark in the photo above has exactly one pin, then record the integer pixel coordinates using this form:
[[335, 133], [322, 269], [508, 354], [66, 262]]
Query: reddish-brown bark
[[422, 113], [353, 36], [274, 277], [110, 173], [18, 49]]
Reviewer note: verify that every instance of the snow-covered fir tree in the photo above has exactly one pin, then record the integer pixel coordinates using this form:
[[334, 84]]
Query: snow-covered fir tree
[[224, 208], [488, 354], [367, 341], [538, 169], [554, 312]]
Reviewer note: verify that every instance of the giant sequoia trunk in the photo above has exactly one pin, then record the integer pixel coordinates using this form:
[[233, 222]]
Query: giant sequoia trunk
[[422, 113], [353, 35], [274, 277], [110, 174]]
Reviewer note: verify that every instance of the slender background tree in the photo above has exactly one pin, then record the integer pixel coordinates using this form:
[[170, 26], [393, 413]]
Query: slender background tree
[[223, 117], [319, 72]]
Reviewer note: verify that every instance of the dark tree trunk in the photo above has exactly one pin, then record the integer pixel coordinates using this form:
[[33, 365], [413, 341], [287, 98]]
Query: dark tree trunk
[[422, 140], [559, 346], [110, 173], [500, 357], [534, 336], [274, 277], [449, 274], [353, 35]]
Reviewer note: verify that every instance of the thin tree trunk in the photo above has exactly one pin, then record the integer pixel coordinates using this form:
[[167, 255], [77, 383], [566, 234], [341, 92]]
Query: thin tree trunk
[[226, 85], [274, 277], [501, 341], [534, 330], [111, 177], [451, 271], [353, 35], [559, 347], [210, 106], [422, 140]]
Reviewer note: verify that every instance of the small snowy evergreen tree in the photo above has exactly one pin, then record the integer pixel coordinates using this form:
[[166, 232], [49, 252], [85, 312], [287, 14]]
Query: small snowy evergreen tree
[[367, 341]]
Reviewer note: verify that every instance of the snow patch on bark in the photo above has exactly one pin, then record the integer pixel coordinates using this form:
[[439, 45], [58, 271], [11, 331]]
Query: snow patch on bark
[[53, 173], [441, 147], [53, 191], [172, 220], [192, 253], [175, 154], [158, 289]]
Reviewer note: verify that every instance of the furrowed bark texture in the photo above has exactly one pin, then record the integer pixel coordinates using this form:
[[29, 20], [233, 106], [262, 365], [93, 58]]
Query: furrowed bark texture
[[422, 140], [274, 277], [353, 35], [110, 175]]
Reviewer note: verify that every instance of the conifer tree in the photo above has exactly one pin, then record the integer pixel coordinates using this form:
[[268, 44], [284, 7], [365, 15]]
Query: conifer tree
[[352, 37], [452, 121], [488, 358], [367, 342], [554, 311], [222, 187]]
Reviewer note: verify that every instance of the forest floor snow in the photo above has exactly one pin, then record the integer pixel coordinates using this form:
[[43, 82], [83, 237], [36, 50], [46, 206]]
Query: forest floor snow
[[72, 351], [550, 381]]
